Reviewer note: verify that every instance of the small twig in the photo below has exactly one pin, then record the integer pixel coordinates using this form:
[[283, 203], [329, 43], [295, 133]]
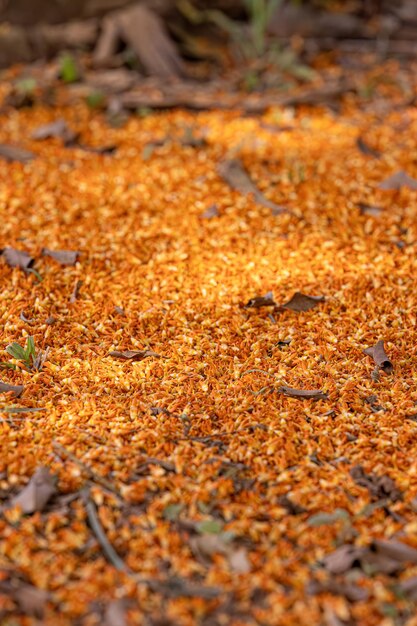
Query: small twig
[[169, 587], [96, 478], [256, 369], [101, 536], [263, 390]]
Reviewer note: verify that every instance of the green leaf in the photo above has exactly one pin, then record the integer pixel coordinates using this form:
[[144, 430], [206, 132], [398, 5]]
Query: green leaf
[[68, 69], [26, 85], [211, 526], [172, 512], [321, 519], [30, 348], [32, 270], [16, 351], [96, 99]]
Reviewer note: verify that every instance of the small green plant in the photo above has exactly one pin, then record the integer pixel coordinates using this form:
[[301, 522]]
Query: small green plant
[[26, 86], [96, 99], [28, 355], [260, 14], [68, 69]]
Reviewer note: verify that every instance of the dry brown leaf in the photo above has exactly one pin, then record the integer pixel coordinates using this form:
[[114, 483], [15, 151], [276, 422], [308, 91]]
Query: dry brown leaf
[[207, 544], [260, 301], [63, 257], [238, 560], [14, 153], [301, 302], [210, 212], [115, 613], [343, 559], [235, 175], [31, 600], [380, 487], [37, 493], [59, 129], [133, 355], [303, 394], [397, 181], [350, 591], [369, 209], [366, 149], [17, 258], [409, 588], [17, 390], [378, 354], [397, 550], [291, 507]]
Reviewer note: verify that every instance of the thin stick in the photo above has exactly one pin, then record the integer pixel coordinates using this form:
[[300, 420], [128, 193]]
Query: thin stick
[[87, 470], [118, 563], [256, 369], [101, 536]]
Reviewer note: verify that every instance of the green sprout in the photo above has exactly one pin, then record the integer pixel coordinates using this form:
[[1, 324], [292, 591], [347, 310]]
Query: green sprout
[[68, 69], [32, 359]]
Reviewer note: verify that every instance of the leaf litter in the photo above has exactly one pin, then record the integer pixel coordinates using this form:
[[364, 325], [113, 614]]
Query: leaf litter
[[214, 498]]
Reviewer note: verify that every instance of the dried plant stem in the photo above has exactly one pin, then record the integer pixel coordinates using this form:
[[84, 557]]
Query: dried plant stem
[[101, 536]]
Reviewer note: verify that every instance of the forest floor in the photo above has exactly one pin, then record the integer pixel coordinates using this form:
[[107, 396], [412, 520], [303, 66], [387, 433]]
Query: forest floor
[[191, 444]]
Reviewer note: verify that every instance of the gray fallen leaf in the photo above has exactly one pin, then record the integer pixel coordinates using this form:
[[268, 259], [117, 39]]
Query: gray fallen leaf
[[17, 390], [37, 493], [14, 153], [64, 257], [301, 302], [397, 181], [238, 560], [31, 600], [59, 128], [343, 559], [17, 258], [210, 212], [235, 175]]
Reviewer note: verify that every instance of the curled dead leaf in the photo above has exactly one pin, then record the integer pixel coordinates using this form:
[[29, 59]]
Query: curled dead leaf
[[378, 354], [302, 302], [260, 301], [17, 258]]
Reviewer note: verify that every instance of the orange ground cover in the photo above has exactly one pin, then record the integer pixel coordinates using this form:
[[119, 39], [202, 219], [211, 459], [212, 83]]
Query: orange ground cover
[[221, 502]]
